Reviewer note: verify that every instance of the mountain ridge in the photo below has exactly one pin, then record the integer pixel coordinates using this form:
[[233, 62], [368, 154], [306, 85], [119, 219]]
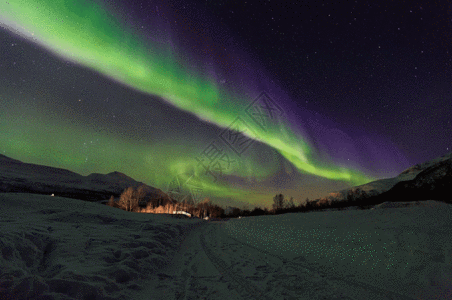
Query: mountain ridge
[[18, 176], [429, 179]]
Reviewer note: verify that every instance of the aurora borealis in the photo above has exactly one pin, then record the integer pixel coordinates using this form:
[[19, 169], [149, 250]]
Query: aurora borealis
[[144, 88]]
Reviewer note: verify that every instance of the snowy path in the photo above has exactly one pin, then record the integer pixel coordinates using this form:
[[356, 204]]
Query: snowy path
[[192, 274], [213, 265]]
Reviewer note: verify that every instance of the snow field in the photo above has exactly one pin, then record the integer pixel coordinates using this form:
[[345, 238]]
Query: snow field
[[63, 248], [401, 249], [58, 248]]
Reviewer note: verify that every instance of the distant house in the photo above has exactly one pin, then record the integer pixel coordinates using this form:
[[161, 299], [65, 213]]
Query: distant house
[[206, 218], [182, 213], [53, 195]]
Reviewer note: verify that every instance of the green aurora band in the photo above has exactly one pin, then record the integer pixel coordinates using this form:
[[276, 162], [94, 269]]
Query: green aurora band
[[91, 36]]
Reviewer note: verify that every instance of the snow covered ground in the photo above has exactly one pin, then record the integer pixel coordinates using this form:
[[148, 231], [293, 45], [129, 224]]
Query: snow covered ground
[[62, 248], [386, 253]]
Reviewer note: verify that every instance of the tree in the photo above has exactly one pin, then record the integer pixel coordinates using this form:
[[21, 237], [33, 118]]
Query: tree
[[141, 193], [309, 204], [214, 211], [128, 199], [111, 201], [218, 211], [204, 208], [290, 203], [236, 212], [351, 196], [278, 202], [246, 210], [257, 211]]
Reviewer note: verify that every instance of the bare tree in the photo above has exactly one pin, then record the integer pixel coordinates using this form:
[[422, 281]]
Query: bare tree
[[141, 193], [128, 199], [204, 207], [216, 211], [278, 202], [111, 201], [290, 203]]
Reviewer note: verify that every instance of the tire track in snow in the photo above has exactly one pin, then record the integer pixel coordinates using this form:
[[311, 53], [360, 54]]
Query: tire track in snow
[[191, 275], [353, 288], [184, 281], [245, 288]]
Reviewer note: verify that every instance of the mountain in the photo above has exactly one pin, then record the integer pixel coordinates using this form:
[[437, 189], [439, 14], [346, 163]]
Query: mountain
[[433, 182], [7, 160], [17, 176], [383, 185], [429, 180]]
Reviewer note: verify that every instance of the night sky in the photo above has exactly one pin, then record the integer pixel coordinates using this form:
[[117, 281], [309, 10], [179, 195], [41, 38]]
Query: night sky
[[235, 100]]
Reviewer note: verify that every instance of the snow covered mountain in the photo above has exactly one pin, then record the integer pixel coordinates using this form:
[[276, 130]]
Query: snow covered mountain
[[17, 176], [419, 175], [432, 182]]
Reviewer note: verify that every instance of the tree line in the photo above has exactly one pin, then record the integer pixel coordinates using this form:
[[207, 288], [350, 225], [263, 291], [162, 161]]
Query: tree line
[[133, 200]]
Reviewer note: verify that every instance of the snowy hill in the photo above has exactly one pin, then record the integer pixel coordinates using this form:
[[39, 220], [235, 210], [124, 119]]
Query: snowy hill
[[7, 160], [378, 187], [17, 176], [433, 182]]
